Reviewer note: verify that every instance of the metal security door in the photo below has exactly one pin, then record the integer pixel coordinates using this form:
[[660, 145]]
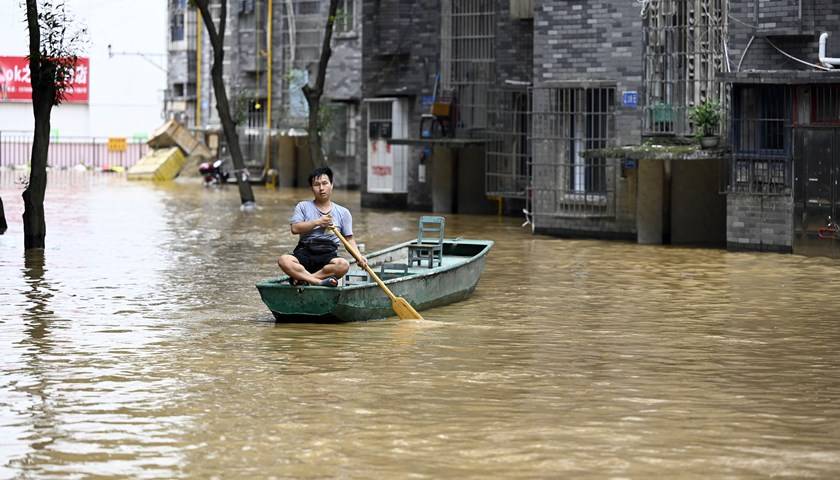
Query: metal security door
[[817, 194]]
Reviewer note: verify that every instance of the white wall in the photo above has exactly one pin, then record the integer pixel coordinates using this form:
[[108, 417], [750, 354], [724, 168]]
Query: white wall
[[126, 91]]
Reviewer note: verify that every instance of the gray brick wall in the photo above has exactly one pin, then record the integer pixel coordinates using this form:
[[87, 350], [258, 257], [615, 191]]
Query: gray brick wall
[[779, 20], [621, 226], [583, 40], [400, 57], [401, 47], [779, 15], [514, 45], [576, 41], [761, 223]]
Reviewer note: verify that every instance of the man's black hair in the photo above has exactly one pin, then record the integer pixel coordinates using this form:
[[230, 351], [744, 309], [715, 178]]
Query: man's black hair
[[321, 171]]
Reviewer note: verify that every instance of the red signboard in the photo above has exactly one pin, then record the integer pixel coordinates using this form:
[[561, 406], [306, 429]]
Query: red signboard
[[16, 81], [380, 170]]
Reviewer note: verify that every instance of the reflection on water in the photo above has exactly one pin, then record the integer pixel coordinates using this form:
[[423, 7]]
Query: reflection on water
[[137, 345]]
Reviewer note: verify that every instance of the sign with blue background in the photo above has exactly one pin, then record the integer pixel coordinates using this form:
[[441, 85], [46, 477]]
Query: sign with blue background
[[630, 98]]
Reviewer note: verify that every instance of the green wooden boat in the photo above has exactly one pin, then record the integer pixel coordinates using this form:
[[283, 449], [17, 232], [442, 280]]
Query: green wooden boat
[[358, 298]]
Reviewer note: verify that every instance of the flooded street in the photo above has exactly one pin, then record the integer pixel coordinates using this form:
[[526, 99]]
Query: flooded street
[[136, 345]]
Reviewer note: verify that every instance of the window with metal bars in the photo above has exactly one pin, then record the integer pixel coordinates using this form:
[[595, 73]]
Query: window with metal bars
[[567, 125], [760, 136], [345, 19], [176, 25], [255, 117], [825, 104], [683, 41], [340, 132], [508, 151], [468, 57]]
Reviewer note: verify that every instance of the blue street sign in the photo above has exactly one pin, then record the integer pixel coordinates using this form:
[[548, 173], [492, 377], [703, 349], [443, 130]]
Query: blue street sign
[[630, 98]]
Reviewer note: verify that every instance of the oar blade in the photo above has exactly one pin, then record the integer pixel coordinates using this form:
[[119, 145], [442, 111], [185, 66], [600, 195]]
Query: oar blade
[[404, 310]]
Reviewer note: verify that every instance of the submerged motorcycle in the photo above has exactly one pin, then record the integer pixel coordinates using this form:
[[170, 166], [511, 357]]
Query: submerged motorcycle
[[214, 172]]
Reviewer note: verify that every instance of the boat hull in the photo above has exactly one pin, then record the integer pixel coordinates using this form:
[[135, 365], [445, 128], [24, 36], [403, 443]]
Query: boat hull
[[423, 288]]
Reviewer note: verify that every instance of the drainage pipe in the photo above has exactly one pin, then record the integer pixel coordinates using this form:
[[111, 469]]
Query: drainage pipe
[[827, 61]]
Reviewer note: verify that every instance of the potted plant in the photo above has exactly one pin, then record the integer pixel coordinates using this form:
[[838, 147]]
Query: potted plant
[[706, 118]]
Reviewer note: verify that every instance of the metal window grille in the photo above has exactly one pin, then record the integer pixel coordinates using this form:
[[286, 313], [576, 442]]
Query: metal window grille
[[345, 20], [302, 26], [508, 152], [254, 144], [252, 41], [181, 25], [683, 56], [825, 106], [176, 25], [352, 129], [255, 117], [340, 134], [566, 122], [468, 57], [760, 136], [380, 112], [246, 7]]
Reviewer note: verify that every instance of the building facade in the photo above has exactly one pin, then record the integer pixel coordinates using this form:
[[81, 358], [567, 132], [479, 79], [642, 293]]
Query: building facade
[[578, 113], [124, 52], [271, 49], [581, 112], [781, 183]]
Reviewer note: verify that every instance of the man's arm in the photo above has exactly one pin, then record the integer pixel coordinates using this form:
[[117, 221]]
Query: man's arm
[[352, 242], [306, 227]]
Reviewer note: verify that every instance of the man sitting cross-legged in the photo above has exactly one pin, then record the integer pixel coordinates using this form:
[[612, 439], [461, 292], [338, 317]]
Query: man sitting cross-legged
[[315, 259]]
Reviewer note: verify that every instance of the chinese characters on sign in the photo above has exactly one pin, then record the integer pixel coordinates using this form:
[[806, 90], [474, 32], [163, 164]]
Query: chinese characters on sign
[[630, 98], [117, 144], [16, 81]]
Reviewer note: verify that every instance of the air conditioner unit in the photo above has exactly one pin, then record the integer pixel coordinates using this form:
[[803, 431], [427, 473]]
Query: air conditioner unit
[[386, 164]]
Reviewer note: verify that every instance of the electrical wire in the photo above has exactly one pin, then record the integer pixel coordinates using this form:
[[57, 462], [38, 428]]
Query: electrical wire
[[726, 54], [794, 58], [730, 17], [744, 53]]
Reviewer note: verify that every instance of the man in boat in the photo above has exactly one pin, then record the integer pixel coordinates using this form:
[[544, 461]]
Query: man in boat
[[315, 259]]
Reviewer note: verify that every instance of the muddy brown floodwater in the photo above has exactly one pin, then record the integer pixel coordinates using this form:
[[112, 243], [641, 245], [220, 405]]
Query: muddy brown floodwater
[[137, 346]]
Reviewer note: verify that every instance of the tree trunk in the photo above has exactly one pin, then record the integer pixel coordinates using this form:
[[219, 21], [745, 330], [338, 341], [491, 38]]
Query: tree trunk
[[34, 223], [3, 225], [43, 95], [217, 38], [313, 94], [316, 152], [246, 194]]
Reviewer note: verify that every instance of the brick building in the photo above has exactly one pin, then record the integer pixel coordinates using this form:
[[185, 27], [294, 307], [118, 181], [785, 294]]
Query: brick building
[[575, 111], [271, 48], [419, 53], [782, 180], [581, 113]]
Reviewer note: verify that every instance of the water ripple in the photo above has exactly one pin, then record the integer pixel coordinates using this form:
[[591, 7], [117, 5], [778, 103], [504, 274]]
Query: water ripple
[[137, 346]]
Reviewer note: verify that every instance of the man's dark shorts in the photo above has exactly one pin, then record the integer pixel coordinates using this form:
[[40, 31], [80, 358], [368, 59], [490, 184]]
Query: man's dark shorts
[[313, 261]]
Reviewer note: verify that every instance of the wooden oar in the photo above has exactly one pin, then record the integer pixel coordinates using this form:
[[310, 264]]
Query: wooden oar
[[401, 307]]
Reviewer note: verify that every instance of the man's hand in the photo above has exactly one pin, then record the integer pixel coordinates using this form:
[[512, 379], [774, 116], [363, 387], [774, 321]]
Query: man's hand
[[362, 261], [325, 221]]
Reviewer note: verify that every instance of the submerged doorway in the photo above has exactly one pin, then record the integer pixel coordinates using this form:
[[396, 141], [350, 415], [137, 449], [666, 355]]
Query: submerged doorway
[[817, 193]]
